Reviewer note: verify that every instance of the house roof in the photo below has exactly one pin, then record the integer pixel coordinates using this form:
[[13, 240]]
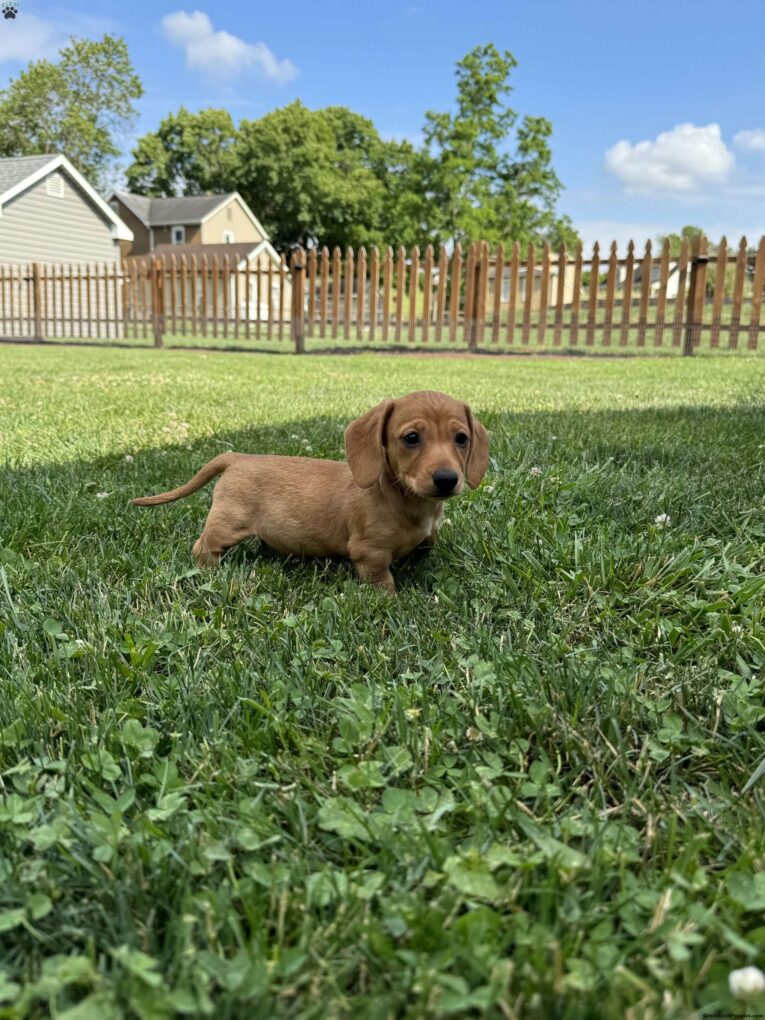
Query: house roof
[[166, 212], [238, 252], [19, 173], [191, 209], [16, 169]]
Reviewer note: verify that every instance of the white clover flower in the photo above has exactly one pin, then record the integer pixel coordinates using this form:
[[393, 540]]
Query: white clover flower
[[488, 488], [737, 628], [129, 459], [662, 520], [535, 472], [745, 982], [293, 436], [102, 495]]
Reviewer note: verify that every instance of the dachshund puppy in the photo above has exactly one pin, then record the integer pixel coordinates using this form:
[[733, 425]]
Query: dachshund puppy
[[406, 457]]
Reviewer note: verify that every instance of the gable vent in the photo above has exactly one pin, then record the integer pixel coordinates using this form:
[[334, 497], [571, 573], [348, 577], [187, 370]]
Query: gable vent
[[55, 185]]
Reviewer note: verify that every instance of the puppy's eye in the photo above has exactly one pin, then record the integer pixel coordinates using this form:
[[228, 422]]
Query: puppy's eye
[[461, 439], [412, 439]]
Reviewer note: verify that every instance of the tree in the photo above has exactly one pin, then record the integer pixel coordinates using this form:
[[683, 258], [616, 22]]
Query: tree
[[189, 154], [675, 240], [75, 106], [475, 186], [298, 169]]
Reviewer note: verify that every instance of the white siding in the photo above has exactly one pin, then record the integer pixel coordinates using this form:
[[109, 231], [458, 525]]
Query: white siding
[[39, 227]]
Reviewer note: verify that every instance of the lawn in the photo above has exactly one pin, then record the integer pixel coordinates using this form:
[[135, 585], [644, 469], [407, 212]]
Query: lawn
[[531, 786]]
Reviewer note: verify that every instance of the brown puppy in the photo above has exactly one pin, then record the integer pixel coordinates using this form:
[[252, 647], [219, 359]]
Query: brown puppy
[[405, 458]]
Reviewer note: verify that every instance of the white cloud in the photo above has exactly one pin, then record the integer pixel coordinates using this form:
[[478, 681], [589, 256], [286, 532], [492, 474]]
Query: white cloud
[[750, 141], [681, 160], [219, 54], [30, 38]]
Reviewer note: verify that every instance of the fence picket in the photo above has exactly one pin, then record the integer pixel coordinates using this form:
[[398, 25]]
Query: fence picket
[[608, 314], [441, 292], [661, 303], [426, 294], [577, 295], [682, 272], [738, 294], [627, 296], [374, 285], [455, 284], [387, 277], [530, 279], [756, 305], [496, 304], [400, 283], [646, 269], [515, 268], [361, 284], [544, 287], [592, 295], [560, 295]]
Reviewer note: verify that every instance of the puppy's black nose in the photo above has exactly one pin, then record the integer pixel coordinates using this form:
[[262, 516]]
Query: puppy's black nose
[[444, 481]]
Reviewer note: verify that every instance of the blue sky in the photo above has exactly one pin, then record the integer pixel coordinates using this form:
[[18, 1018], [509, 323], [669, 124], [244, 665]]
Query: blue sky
[[658, 109]]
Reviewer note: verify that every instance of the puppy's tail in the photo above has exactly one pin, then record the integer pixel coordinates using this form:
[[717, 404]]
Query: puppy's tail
[[215, 467]]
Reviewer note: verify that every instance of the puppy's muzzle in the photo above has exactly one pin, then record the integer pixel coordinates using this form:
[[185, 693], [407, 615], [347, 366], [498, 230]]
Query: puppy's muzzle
[[445, 482]]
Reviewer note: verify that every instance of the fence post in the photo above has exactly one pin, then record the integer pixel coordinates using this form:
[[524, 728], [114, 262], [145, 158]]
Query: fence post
[[157, 299], [472, 284], [696, 289], [37, 300], [298, 300]]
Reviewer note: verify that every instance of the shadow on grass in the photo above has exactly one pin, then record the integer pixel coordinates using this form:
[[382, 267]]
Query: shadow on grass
[[612, 468]]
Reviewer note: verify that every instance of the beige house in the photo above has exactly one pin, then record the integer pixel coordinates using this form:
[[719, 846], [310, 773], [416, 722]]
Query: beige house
[[210, 278], [553, 281], [191, 220], [49, 214]]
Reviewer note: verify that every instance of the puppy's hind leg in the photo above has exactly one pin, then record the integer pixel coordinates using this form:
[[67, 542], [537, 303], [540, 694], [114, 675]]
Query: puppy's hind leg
[[220, 533]]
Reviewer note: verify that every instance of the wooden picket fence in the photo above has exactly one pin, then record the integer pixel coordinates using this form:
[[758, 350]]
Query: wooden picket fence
[[478, 298]]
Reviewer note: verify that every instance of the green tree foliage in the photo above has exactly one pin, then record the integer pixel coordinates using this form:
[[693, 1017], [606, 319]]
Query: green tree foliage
[[312, 174], [675, 240], [328, 175], [477, 184], [76, 106], [190, 154]]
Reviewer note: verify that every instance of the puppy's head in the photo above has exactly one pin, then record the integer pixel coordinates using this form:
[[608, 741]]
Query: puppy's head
[[430, 443]]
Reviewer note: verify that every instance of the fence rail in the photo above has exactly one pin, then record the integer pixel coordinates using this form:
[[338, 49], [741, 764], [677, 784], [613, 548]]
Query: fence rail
[[478, 297]]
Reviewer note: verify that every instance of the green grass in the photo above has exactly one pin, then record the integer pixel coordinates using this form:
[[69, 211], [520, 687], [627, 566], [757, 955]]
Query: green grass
[[531, 786]]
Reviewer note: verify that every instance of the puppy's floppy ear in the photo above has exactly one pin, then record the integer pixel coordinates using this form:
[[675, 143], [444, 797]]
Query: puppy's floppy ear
[[364, 441], [478, 455]]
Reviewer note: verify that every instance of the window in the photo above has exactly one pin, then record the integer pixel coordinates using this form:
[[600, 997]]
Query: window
[[55, 185], [178, 235], [228, 236]]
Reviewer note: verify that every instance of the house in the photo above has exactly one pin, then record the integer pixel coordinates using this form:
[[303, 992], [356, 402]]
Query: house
[[673, 280], [49, 213], [191, 220], [536, 293], [209, 277]]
